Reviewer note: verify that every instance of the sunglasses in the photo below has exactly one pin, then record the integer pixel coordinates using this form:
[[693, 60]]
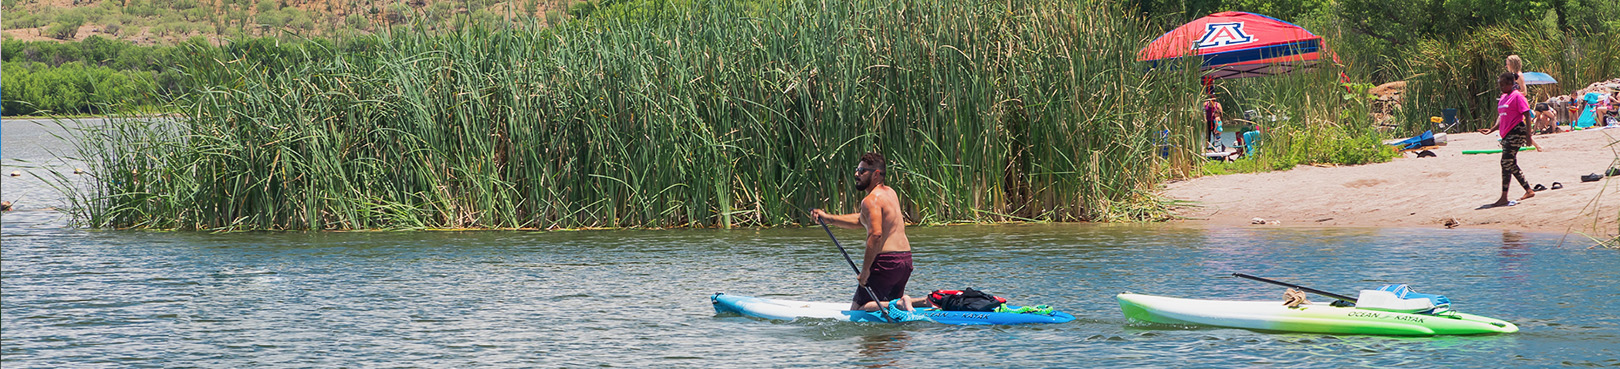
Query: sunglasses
[[859, 171]]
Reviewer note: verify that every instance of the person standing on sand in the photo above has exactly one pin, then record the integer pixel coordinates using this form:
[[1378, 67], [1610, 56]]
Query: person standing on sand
[[1212, 113], [887, 265], [1512, 111], [1515, 65]]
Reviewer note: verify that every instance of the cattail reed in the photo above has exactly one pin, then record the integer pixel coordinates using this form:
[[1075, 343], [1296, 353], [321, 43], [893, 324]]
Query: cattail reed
[[701, 114]]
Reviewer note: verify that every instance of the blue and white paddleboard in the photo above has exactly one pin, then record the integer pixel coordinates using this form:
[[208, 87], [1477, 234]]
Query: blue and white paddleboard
[[774, 309]]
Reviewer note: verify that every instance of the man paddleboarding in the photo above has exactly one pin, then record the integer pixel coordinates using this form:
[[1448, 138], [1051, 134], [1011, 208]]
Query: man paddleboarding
[[886, 266]]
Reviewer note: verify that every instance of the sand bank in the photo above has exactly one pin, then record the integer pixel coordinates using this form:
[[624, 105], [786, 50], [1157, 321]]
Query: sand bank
[[1426, 192]]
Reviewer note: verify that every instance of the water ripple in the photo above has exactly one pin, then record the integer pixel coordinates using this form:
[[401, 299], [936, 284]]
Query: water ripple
[[639, 298]]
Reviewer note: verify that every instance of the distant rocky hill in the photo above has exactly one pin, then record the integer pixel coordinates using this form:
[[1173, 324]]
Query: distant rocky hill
[[150, 22]]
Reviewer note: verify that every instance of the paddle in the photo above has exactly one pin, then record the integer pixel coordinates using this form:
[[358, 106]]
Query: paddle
[[869, 293], [1301, 288]]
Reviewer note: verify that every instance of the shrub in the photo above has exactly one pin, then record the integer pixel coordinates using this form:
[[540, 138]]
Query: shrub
[[71, 88], [301, 20], [66, 27], [358, 22], [113, 27], [439, 12], [173, 29], [397, 13], [554, 17], [141, 8], [18, 21], [93, 14], [197, 15], [583, 9], [272, 19]]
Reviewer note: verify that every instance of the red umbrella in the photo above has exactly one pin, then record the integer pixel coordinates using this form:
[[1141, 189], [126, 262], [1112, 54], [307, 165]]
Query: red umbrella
[[1238, 45]]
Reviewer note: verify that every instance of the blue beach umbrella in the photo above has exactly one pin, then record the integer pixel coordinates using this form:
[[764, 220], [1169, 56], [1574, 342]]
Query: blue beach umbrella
[[1538, 78]]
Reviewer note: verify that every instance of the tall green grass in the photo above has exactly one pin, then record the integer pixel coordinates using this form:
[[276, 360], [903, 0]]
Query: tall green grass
[[705, 113], [1303, 118]]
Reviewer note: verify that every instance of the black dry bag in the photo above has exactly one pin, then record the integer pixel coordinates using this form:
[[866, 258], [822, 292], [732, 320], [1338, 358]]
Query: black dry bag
[[965, 300]]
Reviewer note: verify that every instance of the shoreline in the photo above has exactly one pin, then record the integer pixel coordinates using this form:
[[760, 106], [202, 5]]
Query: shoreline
[[1407, 192], [1411, 192], [1186, 222]]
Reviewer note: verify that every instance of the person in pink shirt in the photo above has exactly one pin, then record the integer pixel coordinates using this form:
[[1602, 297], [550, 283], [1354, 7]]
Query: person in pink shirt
[[1512, 113]]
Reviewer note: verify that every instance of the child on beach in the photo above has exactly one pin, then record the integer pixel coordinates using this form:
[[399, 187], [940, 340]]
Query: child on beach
[[1513, 111], [1574, 108]]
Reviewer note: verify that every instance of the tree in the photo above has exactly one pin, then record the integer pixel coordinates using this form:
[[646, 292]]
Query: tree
[[1405, 21], [98, 50], [1596, 16], [1561, 7], [1291, 11]]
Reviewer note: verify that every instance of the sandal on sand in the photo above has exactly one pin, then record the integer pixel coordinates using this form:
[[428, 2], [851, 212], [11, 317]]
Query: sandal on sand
[[1538, 188], [1557, 185]]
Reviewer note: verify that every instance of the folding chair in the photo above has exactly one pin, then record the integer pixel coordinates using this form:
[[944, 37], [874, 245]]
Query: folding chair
[[1448, 121]]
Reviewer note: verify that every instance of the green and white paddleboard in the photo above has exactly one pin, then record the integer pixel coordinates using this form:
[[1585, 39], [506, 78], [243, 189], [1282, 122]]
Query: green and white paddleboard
[[1312, 318]]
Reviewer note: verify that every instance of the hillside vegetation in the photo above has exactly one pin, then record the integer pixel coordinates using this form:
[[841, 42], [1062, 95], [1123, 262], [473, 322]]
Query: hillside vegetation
[[166, 22], [1456, 44]]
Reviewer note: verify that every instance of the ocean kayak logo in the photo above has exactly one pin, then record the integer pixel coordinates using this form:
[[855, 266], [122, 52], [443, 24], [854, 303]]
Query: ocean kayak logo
[[1224, 34]]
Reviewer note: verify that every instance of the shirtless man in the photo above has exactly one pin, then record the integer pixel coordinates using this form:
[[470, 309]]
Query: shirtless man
[[887, 265]]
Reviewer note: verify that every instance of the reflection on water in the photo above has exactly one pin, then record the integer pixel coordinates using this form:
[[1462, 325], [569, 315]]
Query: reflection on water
[[877, 349], [1515, 250]]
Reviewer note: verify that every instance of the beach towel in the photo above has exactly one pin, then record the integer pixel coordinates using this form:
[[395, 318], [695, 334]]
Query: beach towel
[[1589, 115], [1422, 140], [1588, 118]]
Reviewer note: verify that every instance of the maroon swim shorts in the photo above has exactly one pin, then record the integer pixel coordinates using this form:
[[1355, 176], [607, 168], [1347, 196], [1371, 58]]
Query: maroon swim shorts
[[888, 277]]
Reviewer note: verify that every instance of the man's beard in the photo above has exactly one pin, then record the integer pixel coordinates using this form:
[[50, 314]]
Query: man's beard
[[863, 184]]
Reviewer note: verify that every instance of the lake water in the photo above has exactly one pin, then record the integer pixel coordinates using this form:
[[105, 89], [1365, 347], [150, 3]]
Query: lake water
[[639, 298]]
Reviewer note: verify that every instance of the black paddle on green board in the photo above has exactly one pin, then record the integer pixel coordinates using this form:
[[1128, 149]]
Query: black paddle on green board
[[1299, 287], [857, 269]]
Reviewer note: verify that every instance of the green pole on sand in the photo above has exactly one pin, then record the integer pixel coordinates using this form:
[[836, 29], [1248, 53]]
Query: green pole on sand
[[1493, 151]]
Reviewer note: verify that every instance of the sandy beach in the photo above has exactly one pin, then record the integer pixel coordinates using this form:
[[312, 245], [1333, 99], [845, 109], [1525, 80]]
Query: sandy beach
[[1425, 192]]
